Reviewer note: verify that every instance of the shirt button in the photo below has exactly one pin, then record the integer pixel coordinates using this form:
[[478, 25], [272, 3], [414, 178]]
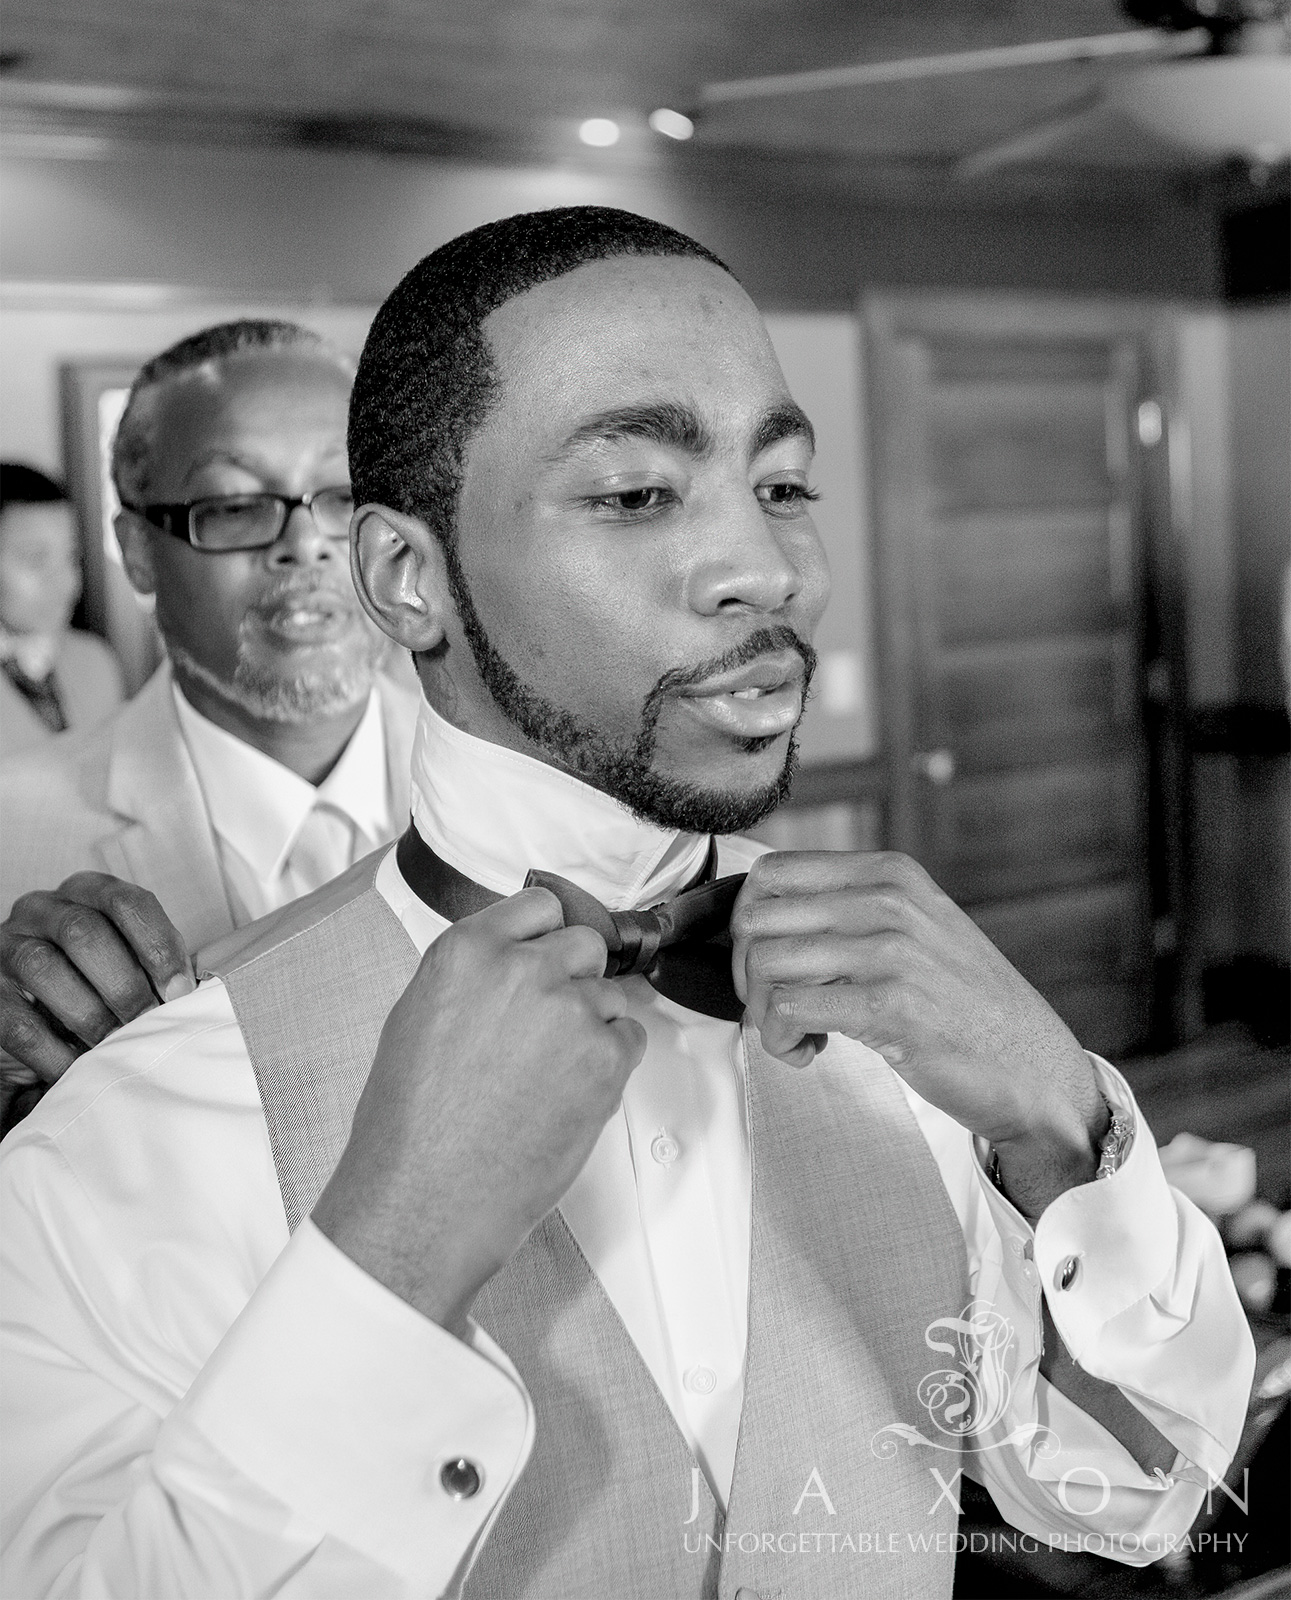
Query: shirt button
[[700, 1380], [665, 1149], [1067, 1272], [460, 1479]]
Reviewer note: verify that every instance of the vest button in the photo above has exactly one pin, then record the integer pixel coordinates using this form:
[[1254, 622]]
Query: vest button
[[460, 1479], [665, 1149], [700, 1380]]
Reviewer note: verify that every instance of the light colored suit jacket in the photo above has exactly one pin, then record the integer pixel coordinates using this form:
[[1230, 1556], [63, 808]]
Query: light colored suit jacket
[[88, 681], [124, 798]]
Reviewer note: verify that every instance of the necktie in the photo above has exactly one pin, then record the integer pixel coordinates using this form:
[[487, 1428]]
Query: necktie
[[40, 693], [682, 947], [324, 848]]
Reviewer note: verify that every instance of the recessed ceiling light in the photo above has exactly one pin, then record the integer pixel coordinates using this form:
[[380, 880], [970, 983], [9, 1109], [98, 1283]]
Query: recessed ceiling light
[[671, 124], [599, 131]]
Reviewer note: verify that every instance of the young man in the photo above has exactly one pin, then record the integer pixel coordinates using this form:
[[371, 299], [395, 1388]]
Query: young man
[[54, 677], [265, 757], [411, 1256]]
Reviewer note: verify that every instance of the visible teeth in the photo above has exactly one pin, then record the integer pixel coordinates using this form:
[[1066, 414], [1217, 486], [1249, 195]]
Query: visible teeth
[[747, 694]]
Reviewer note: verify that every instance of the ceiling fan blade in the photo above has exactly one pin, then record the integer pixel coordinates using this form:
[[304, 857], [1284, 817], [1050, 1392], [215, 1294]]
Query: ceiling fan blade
[[1161, 42], [1037, 141]]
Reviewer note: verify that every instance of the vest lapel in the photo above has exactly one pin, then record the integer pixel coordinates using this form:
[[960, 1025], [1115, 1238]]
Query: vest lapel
[[603, 1505], [855, 1250]]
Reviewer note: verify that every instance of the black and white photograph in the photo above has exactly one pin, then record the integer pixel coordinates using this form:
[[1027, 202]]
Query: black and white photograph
[[645, 800]]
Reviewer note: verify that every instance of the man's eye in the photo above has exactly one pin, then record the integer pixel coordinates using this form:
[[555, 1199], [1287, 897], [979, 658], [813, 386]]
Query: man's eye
[[634, 502], [786, 496]]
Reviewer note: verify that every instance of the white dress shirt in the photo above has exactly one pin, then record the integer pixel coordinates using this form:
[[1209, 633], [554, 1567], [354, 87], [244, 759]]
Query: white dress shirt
[[260, 810], [192, 1397]]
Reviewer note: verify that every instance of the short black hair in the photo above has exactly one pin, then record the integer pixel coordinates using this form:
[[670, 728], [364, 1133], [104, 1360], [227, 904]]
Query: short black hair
[[132, 446], [426, 377], [21, 485]]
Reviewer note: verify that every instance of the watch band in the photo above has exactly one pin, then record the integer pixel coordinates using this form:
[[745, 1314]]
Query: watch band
[[1111, 1153], [1116, 1142]]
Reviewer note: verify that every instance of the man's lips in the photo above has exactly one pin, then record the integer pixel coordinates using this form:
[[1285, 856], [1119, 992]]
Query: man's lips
[[315, 616], [759, 700]]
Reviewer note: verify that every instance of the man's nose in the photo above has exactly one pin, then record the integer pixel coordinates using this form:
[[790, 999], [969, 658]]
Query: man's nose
[[302, 543], [750, 561]]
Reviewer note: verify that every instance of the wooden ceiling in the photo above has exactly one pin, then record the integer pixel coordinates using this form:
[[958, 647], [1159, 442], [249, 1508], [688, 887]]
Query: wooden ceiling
[[512, 78]]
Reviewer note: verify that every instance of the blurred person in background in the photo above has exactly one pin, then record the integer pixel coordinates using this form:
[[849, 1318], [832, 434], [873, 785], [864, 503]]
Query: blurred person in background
[[55, 677], [264, 757]]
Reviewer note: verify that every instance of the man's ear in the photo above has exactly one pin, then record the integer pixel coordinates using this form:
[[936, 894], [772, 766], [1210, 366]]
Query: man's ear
[[135, 538], [400, 576]]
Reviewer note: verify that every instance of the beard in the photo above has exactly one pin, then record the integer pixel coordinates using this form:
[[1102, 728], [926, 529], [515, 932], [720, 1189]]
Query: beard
[[278, 691], [624, 769]]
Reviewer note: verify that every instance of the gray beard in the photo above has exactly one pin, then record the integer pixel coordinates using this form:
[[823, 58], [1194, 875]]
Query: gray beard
[[287, 697]]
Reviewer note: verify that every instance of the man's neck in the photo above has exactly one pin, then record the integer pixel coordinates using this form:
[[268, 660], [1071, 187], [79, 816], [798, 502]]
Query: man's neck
[[310, 748]]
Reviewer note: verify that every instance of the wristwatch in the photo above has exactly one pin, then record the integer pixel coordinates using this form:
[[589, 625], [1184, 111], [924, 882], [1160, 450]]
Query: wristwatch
[[1111, 1153], [1116, 1142]]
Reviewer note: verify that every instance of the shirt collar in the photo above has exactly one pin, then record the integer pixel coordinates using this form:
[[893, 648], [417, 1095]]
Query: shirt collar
[[35, 653], [494, 813], [258, 806]]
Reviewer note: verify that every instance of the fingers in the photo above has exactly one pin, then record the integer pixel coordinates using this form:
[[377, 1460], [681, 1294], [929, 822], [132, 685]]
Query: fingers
[[820, 895], [814, 872], [114, 933], [42, 972], [580, 952], [526, 915], [630, 1038], [875, 1013], [30, 1038], [139, 918], [812, 985], [46, 937]]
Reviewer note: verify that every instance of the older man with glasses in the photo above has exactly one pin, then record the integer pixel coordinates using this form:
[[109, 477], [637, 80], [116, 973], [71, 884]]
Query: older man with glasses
[[265, 757]]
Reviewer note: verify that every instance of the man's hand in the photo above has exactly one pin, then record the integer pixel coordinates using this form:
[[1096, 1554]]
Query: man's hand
[[867, 945], [495, 1073], [78, 961]]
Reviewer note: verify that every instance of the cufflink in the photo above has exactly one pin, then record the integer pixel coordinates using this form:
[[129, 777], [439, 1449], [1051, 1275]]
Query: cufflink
[[460, 1479], [1067, 1272]]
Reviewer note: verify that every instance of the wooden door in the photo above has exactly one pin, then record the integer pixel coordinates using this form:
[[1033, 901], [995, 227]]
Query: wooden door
[[1009, 532]]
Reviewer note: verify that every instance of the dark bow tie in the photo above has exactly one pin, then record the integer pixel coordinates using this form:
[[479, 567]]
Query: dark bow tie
[[682, 947]]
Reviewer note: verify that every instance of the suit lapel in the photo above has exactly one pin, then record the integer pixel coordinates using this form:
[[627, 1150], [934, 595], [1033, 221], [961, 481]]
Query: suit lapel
[[165, 843]]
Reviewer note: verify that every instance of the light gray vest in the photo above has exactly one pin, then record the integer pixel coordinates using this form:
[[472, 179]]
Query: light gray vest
[[855, 1251]]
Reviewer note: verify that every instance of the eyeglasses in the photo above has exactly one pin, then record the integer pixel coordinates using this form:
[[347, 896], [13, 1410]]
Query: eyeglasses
[[225, 522]]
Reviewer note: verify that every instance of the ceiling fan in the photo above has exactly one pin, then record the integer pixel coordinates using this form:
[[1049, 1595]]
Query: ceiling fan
[[1214, 83]]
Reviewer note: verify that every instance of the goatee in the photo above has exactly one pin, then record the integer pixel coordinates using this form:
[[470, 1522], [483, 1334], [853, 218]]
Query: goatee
[[625, 770]]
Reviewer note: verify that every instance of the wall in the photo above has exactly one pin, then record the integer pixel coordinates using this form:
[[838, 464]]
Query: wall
[[318, 225], [1233, 376]]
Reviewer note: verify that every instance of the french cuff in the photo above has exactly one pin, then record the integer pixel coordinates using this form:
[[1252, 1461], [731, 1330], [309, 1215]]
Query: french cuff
[[1100, 1247], [363, 1416], [1105, 1246]]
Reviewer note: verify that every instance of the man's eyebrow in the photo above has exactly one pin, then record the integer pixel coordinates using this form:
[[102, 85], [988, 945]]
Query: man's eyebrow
[[784, 421], [244, 463], [662, 422]]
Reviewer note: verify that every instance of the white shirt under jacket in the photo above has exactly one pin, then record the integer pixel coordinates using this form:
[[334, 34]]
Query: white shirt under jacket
[[197, 1406], [259, 810]]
